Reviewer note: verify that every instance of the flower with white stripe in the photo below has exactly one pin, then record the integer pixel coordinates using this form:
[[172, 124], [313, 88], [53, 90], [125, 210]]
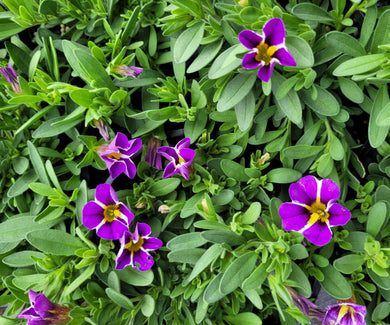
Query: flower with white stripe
[[135, 248], [313, 210], [106, 214]]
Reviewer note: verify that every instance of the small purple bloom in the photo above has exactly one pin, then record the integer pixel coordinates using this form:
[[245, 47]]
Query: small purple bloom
[[125, 70], [180, 157], [152, 157], [12, 77], [110, 217], [313, 209], [267, 49], [103, 130], [303, 304], [43, 311], [346, 313], [135, 248], [117, 155]]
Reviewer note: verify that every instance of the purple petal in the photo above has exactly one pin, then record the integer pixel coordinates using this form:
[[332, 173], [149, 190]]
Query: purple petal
[[330, 191], [169, 153], [152, 243], [185, 143], [143, 259], [265, 71], [304, 191], [250, 39], [38, 322], [187, 154], [32, 295], [43, 306], [130, 170], [117, 168], [319, 234], [284, 57], [338, 215], [183, 170], [106, 195], [143, 229], [338, 314], [112, 231], [127, 214], [123, 259], [249, 61], [170, 170], [133, 147], [120, 141], [92, 215], [28, 313], [274, 32], [294, 217]]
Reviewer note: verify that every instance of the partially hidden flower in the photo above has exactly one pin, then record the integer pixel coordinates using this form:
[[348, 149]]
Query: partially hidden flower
[[125, 70], [135, 248], [180, 157], [302, 303], [106, 214], [43, 311], [313, 209], [152, 157], [117, 155], [346, 313], [103, 130], [12, 77], [267, 48]]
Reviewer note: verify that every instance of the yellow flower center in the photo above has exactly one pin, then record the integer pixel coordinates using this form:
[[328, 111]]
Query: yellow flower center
[[317, 212], [114, 155], [134, 247], [111, 212], [345, 309], [265, 53], [181, 160]]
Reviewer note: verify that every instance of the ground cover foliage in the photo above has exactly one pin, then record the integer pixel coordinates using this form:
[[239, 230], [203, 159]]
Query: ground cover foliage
[[197, 153]]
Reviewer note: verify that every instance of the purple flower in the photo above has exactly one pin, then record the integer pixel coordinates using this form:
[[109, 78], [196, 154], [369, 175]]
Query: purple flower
[[180, 158], [12, 77], [125, 70], [312, 210], [135, 248], [266, 49], [152, 157], [43, 311], [303, 304], [117, 155], [110, 217], [103, 130], [346, 313]]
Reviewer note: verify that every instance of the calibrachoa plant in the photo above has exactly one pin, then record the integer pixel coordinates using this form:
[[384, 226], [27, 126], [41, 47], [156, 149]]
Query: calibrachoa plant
[[197, 162]]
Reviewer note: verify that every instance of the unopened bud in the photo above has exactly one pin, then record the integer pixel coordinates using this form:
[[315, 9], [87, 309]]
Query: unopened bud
[[205, 206]]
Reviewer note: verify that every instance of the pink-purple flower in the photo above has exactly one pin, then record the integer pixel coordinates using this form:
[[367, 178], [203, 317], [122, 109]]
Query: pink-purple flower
[[106, 214], [135, 248], [43, 311], [152, 157], [125, 70], [313, 209], [103, 130], [117, 155], [12, 77], [267, 48], [180, 157], [346, 313]]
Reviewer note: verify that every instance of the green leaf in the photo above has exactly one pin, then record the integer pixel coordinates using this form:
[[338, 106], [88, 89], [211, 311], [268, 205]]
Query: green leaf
[[193, 129], [351, 90], [132, 276], [37, 163], [256, 279], [335, 284], [382, 31], [325, 165], [359, 65], [25, 99], [301, 51], [237, 272], [246, 318], [376, 133], [368, 25], [336, 148], [207, 258], [148, 305], [345, 43], [377, 216], [283, 175], [84, 276], [82, 97], [381, 311], [325, 103], [381, 281], [252, 214], [164, 186], [206, 55], [189, 240], [119, 299], [245, 111], [20, 164], [9, 28], [212, 293], [188, 256], [290, 104], [236, 90], [22, 258], [383, 117], [310, 11], [188, 42], [46, 129], [301, 151], [53, 241], [22, 183], [226, 62], [349, 263], [42, 189], [190, 207], [234, 170], [223, 237], [301, 279]]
